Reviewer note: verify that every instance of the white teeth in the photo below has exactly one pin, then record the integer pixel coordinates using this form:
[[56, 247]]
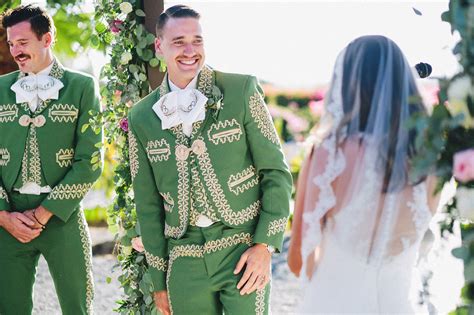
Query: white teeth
[[188, 62]]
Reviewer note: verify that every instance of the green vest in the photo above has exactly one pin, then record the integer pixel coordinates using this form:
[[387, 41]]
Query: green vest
[[234, 156], [59, 154]]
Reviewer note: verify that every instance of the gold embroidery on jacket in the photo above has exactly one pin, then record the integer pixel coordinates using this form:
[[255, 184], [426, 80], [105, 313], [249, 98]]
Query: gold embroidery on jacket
[[4, 156], [158, 150], [133, 154], [8, 113], [243, 181], [3, 194], [31, 163], [64, 157], [183, 194], [200, 199], [156, 262], [261, 115], [277, 226], [168, 201], [63, 113], [230, 216], [74, 191], [224, 131]]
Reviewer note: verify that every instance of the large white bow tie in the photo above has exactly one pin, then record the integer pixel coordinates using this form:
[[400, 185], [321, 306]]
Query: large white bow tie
[[33, 87], [181, 107]]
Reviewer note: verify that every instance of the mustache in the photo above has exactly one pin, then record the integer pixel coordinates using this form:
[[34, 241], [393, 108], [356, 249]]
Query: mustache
[[22, 56]]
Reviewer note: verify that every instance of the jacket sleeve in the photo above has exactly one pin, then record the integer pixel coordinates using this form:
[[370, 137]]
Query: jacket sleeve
[[269, 161], [150, 210], [63, 200]]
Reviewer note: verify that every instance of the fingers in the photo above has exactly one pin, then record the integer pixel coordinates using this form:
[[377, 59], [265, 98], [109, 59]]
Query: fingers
[[251, 284], [245, 277], [24, 219], [241, 263]]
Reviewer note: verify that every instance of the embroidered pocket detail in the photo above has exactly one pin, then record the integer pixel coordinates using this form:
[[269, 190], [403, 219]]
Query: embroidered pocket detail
[[4, 157], [168, 201], [243, 181], [64, 157], [63, 113], [158, 150], [8, 113], [225, 131]]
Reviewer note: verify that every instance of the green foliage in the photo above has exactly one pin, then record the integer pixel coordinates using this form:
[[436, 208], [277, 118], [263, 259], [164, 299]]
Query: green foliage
[[447, 131], [129, 46]]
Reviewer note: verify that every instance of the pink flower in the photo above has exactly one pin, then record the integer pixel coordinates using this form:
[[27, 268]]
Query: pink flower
[[124, 124], [137, 244], [115, 26], [464, 166]]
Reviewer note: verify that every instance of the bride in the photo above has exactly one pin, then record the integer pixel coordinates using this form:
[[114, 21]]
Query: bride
[[359, 219]]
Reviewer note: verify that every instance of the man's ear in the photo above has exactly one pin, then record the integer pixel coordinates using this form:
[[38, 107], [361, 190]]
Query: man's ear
[[47, 39], [158, 42]]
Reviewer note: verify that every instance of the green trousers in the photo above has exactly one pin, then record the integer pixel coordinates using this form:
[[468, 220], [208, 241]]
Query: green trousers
[[67, 250], [201, 278]]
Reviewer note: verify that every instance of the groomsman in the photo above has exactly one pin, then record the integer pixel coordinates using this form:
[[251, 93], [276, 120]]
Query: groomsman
[[45, 168], [211, 185]]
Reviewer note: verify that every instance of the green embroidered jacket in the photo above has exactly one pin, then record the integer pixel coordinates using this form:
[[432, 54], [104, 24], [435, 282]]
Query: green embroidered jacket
[[235, 154], [62, 153]]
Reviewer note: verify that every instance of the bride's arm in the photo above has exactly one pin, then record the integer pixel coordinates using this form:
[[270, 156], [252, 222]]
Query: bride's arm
[[294, 251]]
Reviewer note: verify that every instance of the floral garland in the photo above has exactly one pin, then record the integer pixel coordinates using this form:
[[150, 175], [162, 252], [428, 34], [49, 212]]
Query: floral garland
[[446, 143], [119, 29]]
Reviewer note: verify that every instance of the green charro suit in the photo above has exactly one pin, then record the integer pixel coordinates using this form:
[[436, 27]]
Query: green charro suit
[[57, 154], [231, 169]]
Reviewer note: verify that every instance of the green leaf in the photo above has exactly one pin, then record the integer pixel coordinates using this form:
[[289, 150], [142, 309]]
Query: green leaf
[[139, 12], [100, 28], [84, 128], [154, 62], [147, 54], [150, 38], [95, 159], [95, 42], [148, 300], [461, 253], [108, 280], [133, 68], [109, 37], [142, 77]]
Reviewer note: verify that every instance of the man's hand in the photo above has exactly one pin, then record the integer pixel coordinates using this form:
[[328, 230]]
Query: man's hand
[[40, 216], [257, 262], [161, 302], [19, 226]]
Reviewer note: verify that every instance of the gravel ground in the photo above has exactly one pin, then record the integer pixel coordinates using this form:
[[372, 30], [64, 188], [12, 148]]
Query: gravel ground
[[285, 288]]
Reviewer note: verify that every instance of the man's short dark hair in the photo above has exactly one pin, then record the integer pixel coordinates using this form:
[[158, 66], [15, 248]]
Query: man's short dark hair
[[41, 22], [176, 11]]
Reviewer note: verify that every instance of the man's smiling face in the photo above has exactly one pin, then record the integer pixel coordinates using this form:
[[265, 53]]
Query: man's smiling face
[[29, 51], [181, 46]]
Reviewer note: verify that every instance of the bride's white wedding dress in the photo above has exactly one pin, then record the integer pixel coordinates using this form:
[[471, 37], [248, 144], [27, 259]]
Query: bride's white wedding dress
[[363, 217], [346, 282]]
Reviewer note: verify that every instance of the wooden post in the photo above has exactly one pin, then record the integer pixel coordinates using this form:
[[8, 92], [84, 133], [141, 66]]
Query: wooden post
[[153, 9], [7, 64]]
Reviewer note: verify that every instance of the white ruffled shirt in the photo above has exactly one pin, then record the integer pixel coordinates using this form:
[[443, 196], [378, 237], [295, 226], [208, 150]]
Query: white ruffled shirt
[[173, 103], [33, 87]]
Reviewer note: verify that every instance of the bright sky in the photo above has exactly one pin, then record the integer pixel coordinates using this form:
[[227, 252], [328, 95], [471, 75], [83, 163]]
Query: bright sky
[[295, 43]]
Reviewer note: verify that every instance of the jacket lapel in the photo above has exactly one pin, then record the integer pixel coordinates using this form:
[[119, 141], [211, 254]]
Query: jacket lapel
[[57, 72]]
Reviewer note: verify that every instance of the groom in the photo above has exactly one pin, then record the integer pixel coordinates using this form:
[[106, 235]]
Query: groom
[[45, 168], [211, 185]]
